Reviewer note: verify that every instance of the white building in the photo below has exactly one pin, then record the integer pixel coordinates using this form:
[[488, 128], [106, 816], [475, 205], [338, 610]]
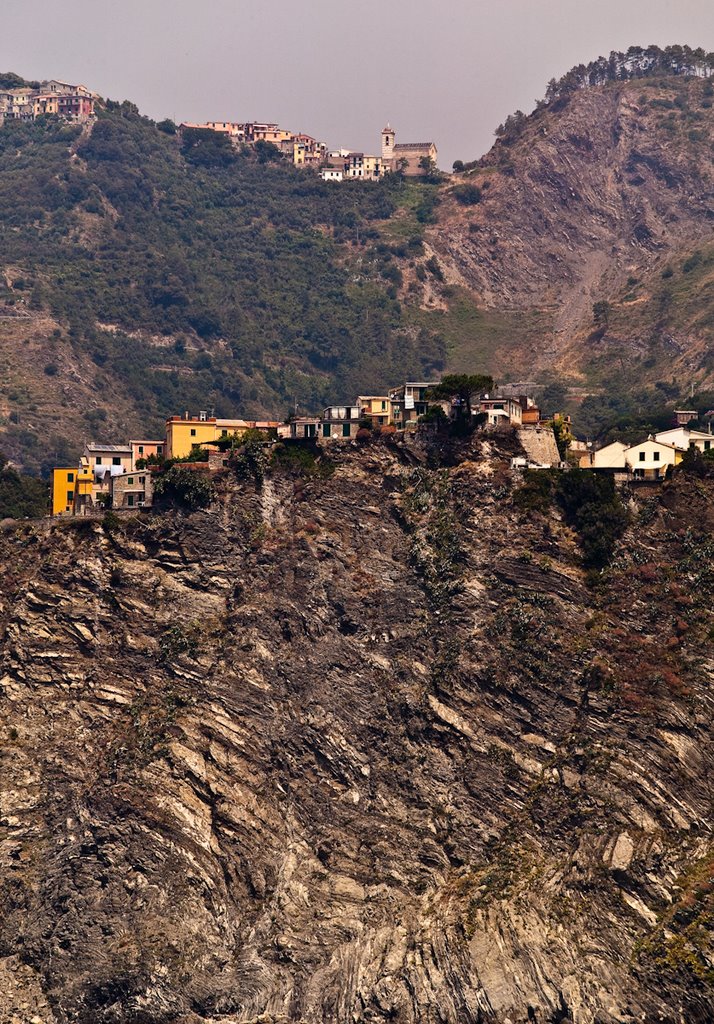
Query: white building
[[682, 437], [651, 459]]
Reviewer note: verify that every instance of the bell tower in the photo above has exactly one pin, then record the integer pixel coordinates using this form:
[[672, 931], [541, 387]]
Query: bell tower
[[387, 142]]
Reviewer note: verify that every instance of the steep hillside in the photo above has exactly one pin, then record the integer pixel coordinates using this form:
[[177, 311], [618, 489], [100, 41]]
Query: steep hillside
[[606, 196], [155, 273], [359, 744]]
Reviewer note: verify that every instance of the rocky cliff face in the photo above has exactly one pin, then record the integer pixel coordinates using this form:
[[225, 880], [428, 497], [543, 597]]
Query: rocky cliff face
[[593, 201], [358, 746]]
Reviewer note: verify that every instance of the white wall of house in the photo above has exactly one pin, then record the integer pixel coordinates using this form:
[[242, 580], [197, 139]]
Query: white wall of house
[[612, 456], [651, 458], [682, 438]]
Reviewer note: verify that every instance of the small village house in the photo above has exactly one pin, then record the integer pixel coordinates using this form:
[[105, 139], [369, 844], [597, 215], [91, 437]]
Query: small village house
[[63, 485], [133, 489], [501, 411], [332, 173], [651, 459], [146, 450], [410, 401], [183, 432], [684, 416], [611, 457], [530, 412], [304, 428], [108, 459], [376, 408], [340, 421]]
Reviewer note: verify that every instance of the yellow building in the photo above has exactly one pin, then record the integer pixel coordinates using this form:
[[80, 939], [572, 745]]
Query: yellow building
[[183, 433], [63, 487], [378, 408], [45, 104]]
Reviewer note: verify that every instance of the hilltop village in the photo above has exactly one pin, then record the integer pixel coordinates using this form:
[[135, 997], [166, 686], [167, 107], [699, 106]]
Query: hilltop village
[[123, 475], [72, 103], [412, 159], [75, 104]]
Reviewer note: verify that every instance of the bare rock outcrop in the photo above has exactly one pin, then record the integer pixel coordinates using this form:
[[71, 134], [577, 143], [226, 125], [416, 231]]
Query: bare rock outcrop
[[358, 745]]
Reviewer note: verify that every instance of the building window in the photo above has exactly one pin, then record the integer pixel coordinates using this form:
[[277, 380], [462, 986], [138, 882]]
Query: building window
[[141, 449], [707, 446], [98, 460], [70, 478], [346, 430], [325, 429], [142, 479], [116, 461], [655, 456], [70, 497], [384, 405], [130, 480], [193, 431], [224, 433], [642, 456], [130, 499]]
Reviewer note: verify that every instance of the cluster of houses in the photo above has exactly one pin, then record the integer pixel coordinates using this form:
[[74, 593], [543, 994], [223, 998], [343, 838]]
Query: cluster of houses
[[73, 103], [413, 159], [303, 150], [653, 457], [120, 475]]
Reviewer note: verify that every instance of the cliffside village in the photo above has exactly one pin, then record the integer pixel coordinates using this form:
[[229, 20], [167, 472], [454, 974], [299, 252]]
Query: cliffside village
[[120, 476]]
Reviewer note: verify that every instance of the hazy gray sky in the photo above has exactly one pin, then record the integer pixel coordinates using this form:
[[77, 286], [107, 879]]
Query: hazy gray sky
[[447, 70]]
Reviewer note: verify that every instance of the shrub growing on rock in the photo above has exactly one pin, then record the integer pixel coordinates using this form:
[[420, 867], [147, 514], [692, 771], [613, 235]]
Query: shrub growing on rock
[[184, 488]]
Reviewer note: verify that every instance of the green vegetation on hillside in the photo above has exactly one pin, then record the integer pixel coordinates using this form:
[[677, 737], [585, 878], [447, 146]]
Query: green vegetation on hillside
[[21, 496], [254, 273]]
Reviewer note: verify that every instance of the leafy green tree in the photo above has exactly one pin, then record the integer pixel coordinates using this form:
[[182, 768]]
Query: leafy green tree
[[461, 388], [592, 506], [184, 488]]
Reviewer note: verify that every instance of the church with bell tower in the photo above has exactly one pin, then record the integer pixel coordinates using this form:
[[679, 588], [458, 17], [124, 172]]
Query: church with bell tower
[[413, 159]]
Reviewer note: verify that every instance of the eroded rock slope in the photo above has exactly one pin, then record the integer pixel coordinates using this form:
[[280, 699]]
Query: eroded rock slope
[[358, 747]]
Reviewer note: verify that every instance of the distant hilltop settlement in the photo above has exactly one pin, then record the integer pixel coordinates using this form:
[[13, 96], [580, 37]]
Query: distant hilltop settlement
[[76, 105], [413, 159], [71, 103], [126, 476]]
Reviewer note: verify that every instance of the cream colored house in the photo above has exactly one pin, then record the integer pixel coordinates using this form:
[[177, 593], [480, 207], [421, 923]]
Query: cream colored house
[[651, 459], [612, 456]]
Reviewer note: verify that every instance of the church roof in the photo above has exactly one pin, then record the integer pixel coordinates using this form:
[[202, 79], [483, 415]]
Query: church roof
[[414, 145]]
